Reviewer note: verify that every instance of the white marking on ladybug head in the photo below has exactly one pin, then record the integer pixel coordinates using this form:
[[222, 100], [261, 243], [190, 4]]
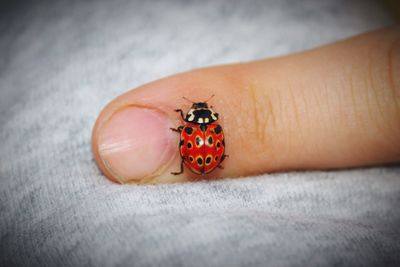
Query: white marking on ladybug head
[[213, 115], [206, 120], [200, 120], [190, 115]]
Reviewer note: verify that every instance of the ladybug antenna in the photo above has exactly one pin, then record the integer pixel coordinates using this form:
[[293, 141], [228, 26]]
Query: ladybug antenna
[[209, 98], [188, 99]]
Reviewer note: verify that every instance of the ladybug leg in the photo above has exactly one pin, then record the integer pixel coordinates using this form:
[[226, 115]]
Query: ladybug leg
[[179, 129], [222, 159], [181, 112], [180, 171]]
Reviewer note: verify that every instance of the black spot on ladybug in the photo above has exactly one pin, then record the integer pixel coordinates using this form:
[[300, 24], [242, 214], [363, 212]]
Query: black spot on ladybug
[[218, 144], [210, 140], [182, 142], [200, 161], [203, 127], [216, 158], [218, 129], [189, 130], [189, 145], [198, 140], [208, 159], [191, 158], [223, 142]]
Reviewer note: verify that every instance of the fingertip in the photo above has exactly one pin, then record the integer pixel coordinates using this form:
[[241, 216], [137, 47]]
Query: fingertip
[[129, 147]]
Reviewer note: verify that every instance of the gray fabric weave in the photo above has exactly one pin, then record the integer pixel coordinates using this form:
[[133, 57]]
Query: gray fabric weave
[[62, 61]]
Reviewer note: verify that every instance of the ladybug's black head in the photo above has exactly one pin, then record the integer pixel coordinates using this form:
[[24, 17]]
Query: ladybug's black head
[[200, 113], [199, 105]]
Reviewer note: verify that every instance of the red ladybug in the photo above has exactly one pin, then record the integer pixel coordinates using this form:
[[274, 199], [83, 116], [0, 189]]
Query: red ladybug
[[202, 143]]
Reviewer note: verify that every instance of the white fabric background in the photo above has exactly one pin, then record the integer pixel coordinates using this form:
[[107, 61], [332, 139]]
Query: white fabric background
[[62, 61]]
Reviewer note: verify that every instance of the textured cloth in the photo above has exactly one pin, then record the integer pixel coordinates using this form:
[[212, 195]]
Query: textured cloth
[[61, 62]]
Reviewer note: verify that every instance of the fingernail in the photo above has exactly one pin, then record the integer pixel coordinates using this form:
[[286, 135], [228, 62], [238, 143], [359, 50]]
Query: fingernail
[[135, 143]]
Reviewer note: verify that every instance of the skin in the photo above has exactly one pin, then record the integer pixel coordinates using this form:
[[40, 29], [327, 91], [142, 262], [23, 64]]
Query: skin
[[333, 107]]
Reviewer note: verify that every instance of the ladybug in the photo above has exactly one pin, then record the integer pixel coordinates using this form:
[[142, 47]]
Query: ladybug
[[202, 143]]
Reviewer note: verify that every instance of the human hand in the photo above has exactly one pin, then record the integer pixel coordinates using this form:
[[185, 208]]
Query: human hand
[[333, 107]]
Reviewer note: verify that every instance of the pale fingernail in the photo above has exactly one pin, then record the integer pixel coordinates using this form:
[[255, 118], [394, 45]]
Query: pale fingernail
[[135, 143]]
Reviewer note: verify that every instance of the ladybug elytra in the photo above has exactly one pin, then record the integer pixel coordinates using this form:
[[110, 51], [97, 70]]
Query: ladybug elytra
[[202, 143]]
